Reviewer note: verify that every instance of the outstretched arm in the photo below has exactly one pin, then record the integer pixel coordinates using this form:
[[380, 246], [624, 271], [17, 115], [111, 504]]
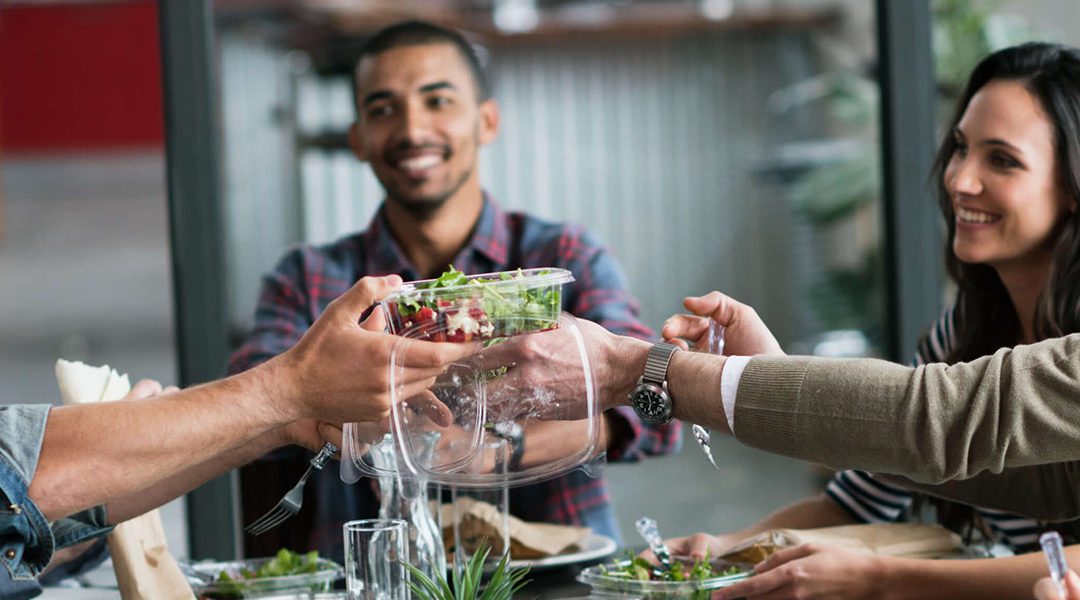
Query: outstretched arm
[[1013, 410], [932, 423], [94, 454]]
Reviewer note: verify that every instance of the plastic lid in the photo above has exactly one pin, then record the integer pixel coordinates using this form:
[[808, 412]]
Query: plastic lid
[[367, 449], [496, 419]]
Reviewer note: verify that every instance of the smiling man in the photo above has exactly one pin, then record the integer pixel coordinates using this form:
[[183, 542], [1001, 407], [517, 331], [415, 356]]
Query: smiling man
[[424, 110]]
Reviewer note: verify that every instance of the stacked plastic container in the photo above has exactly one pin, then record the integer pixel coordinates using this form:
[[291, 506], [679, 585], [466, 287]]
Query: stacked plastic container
[[466, 428], [471, 428]]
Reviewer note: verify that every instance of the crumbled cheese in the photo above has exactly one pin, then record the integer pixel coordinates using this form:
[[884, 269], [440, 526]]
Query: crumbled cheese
[[461, 321]]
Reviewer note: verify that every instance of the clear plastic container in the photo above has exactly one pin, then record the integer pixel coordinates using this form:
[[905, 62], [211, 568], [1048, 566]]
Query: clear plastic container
[[605, 585], [497, 418], [485, 306], [363, 449], [321, 580]]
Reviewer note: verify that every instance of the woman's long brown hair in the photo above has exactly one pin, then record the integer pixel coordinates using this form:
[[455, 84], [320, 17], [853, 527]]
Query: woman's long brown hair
[[984, 316]]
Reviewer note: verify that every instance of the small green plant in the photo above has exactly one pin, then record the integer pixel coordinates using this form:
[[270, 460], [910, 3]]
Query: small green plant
[[502, 584]]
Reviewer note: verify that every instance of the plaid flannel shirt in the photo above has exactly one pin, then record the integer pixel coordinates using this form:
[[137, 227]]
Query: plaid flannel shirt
[[310, 277]]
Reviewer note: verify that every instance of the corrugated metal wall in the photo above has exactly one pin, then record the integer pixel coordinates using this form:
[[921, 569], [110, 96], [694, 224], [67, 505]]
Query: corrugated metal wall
[[262, 208], [655, 145]]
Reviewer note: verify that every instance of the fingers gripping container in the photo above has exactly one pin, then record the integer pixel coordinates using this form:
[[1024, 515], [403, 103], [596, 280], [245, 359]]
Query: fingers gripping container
[[456, 308], [522, 410]]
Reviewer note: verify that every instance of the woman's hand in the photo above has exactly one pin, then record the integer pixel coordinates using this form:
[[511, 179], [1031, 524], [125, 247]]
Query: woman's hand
[[810, 571], [1046, 590], [696, 546]]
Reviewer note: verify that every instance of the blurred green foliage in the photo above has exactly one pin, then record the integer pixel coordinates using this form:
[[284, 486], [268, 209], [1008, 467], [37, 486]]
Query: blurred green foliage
[[963, 32]]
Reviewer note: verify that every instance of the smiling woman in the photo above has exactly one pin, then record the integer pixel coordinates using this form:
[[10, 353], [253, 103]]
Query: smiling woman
[[1008, 182], [1003, 188]]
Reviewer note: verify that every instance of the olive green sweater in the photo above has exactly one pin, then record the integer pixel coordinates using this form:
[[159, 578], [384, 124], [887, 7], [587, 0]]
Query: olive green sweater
[[972, 432]]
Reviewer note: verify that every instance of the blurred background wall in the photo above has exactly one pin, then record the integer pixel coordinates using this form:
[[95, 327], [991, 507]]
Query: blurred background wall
[[84, 265], [661, 147]]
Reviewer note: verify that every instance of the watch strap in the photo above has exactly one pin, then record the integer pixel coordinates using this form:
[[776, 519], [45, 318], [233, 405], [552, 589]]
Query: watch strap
[[656, 364], [517, 452]]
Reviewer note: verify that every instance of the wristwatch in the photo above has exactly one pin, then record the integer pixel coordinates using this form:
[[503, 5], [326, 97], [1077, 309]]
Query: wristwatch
[[650, 398], [515, 435]]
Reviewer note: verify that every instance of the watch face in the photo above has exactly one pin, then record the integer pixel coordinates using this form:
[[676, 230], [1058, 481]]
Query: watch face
[[652, 403]]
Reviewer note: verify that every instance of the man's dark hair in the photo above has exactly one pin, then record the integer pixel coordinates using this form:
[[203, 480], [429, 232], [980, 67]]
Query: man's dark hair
[[422, 33]]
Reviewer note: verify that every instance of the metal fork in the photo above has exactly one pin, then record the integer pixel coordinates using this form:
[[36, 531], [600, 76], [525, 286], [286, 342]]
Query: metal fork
[[290, 503]]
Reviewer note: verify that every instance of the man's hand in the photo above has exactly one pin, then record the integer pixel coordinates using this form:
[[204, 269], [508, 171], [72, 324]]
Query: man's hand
[[745, 334], [310, 434], [339, 371], [545, 369]]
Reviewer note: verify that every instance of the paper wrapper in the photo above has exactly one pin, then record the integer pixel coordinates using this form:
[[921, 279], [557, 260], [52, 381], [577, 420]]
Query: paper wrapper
[[527, 540], [915, 540], [145, 570]]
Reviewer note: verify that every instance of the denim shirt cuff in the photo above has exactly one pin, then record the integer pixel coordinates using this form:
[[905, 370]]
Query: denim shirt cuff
[[26, 539], [79, 527]]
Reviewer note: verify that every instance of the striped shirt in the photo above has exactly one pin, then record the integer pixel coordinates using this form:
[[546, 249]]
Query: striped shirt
[[871, 501]]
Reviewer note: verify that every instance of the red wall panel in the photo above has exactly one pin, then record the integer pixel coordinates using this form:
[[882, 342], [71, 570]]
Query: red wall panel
[[80, 77]]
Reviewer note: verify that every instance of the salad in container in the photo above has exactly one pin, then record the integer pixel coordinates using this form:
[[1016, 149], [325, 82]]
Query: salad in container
[[637, 578], [263, 577], [461, 308]]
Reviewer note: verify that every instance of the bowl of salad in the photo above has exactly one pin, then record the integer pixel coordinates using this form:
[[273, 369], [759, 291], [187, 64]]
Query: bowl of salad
[[637, 578], [263, 577], [456, 307]]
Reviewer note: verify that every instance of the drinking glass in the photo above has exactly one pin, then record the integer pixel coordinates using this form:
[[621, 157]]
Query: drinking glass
[[374, 553], [405, 497], [496, 458]]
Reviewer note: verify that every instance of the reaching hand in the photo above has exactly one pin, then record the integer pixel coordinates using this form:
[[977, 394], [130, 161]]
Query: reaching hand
[[311, 434], [745, 334], [696, 546], [1046, 590], [339, 371], [545, 375], [810, 571]]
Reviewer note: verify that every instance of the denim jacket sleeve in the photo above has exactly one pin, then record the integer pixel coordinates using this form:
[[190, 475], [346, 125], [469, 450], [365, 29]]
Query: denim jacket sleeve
[[27, 540]]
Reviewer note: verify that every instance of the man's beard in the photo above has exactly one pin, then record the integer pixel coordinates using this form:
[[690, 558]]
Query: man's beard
[[423, 208]]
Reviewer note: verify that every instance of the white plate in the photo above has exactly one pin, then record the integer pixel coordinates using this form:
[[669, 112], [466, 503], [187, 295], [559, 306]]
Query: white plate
[[595, 547]]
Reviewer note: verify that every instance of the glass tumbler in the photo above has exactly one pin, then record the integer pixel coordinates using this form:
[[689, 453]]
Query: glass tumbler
[[375, 551], [495, 458]]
